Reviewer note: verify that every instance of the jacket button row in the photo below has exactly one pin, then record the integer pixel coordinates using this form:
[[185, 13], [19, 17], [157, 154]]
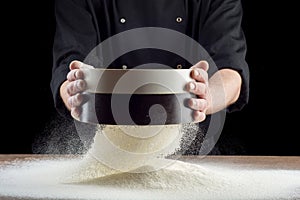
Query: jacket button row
[[178, 20], [179, 66]]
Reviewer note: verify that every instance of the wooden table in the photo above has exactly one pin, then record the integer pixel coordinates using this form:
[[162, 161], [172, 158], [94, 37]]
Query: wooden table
[[271, 162], [250, 162]]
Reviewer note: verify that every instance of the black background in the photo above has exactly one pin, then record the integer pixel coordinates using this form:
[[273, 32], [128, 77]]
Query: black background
[[266, 126]]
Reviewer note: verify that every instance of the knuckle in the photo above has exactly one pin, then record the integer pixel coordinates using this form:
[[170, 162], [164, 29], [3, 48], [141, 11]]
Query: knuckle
[[78, 99], [203, 104], [70, 101], [79, 74], [75, 112], [69, 75], [200, 104], [191, 103], [200, 88], [70, 88], [80, 85], [75, 74], [77, 85]]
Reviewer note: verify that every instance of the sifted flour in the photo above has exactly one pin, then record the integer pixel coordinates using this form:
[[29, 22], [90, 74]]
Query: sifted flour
[[87, 178]]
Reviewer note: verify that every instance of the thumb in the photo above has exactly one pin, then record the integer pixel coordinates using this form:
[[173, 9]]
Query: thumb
[[202, 65], [75, 64]]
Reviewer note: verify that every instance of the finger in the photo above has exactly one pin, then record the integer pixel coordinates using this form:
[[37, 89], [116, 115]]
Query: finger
[[197, 88], [77, 65], [76, 87], [75, 74], [199, 116], [199, 75], [75, 101], [201, 65], [197, 104], [76, 112]]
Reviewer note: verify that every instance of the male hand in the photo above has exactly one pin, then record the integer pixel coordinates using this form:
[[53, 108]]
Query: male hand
[[199, 87], [71, 90]]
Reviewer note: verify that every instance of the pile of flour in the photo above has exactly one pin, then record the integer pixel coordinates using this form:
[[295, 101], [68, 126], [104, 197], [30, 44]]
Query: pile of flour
[[150, 175], [87, 178]]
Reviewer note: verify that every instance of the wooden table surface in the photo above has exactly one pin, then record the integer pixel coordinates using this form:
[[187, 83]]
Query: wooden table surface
[[271, 162], [251, 162]]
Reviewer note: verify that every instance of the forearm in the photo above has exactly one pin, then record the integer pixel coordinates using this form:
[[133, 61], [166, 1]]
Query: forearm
[[224, 90]]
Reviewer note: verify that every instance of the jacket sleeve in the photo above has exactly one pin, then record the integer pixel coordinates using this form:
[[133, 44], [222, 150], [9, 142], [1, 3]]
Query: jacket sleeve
[[222, 36], [74, 38]]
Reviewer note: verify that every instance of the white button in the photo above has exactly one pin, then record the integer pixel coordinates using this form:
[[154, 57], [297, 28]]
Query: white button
[[122, 20], [179, 66], [179, 19], [124, 66]]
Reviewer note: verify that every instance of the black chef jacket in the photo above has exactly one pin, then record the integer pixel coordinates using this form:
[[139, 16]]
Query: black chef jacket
[[82, 24]]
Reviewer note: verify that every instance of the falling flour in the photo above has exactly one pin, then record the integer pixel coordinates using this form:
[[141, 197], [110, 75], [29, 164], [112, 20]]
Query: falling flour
[[86, 177]]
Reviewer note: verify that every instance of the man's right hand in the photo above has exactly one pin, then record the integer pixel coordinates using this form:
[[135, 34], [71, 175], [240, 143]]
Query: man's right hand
[[71, 90]]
